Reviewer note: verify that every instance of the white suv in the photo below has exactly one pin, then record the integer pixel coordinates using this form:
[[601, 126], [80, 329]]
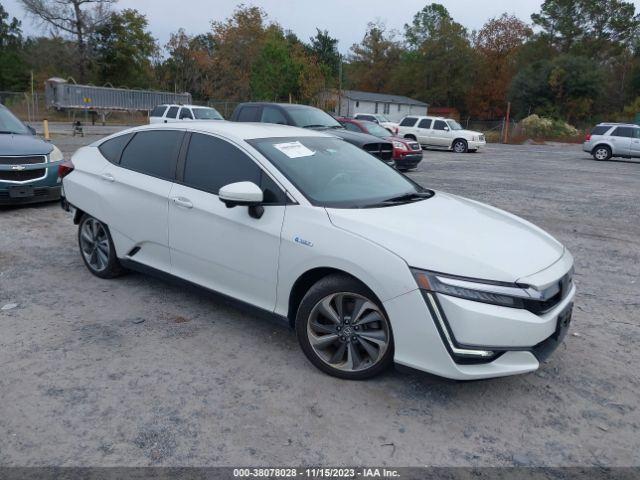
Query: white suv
[[379, 119], [368, 266], [178, 113], [608, 140], [438, 132]]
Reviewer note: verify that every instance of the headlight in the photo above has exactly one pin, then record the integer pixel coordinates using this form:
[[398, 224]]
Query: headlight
[[495, 293], [399, 146], [55, 155]]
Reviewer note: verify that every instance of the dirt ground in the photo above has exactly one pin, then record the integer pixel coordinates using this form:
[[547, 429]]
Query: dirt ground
[[137, 371]]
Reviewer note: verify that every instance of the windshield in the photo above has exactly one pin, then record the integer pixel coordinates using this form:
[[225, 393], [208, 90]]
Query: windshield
[[376, 130], [309, 117], [10, 124], [333, 173], [453, 125], [207, 114]]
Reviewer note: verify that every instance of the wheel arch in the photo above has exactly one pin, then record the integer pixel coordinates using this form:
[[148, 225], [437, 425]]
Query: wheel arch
[[601, 144], [309, 278], [410, 136], [459, 138]]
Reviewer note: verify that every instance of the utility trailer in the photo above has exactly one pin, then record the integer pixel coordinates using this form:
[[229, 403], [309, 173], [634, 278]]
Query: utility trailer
[[65, 96]]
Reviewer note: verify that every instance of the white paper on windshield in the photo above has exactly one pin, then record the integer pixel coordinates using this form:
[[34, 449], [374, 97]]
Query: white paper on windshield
[[294, 149]]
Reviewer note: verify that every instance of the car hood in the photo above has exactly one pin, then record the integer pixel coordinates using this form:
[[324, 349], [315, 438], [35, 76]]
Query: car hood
[[355, 137], [468, 133], [16, 144], [454, 235]]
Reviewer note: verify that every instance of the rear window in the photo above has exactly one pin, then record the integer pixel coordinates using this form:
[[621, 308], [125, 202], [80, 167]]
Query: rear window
[[112, 149], [248, 114], [408, 122], [153, 153], [600, 130], [158, 111]]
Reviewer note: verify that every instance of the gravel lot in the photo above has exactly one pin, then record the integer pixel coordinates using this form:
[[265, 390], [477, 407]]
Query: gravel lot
[[139, 372]]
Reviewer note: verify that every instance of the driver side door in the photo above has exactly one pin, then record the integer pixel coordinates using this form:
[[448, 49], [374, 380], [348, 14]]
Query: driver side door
[[441, 134], [224, 249]]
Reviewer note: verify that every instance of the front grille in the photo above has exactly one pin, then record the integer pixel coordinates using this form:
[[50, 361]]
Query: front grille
[[384, 151], [22, 176], [27, 160], [564, 287]]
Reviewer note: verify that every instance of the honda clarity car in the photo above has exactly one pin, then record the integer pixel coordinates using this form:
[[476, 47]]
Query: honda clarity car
[[369, 267], [28, 164]]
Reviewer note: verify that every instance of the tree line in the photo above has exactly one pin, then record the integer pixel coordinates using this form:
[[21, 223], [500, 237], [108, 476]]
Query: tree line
[[576, 60]]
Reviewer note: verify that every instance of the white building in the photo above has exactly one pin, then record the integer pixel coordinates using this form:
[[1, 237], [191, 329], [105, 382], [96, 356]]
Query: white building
[[394, 107]]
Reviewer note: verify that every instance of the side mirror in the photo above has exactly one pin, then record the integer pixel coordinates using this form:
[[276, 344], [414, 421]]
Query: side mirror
[[446, 129], [246, 194]]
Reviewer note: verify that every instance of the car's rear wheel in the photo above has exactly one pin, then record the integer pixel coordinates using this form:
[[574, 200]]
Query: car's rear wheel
[[601, 152], [343, 330], [96, 248], [460, 146]]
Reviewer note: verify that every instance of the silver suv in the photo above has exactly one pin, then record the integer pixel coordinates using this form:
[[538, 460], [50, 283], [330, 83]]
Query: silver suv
[[608, 140]]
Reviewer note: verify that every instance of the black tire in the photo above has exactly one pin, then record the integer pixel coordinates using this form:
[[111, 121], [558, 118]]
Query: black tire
[[460, 145], [106, 264], [601, 153], [343, 286]]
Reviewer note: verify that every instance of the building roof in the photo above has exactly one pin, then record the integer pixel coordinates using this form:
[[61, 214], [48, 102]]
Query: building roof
[[381, 98]]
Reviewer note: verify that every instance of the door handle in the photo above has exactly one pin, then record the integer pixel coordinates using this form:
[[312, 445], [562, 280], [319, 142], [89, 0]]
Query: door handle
[[182, 202], [107, 177]]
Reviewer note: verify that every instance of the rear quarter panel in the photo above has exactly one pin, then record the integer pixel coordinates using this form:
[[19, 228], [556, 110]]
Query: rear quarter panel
[[83, 186]]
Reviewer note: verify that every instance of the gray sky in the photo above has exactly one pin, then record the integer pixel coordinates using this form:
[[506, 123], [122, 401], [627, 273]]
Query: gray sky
[[345, 19]]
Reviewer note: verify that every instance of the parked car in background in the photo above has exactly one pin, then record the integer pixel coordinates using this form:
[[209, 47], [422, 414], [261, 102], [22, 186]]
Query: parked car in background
[[441, 133], [28, 164], [608, 140], [177, 113], [407, 154], [367, 265], [304, 116], [379, 119]]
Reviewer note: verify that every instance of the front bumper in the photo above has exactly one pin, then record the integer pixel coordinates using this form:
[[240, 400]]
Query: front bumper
[[476, 144], [436, 333], [409, 161], [35, 194]]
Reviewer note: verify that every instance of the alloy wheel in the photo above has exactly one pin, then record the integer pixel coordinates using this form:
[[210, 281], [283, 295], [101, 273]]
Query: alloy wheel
[[94, 244], [601, 154], [348, 332], [459, 147]]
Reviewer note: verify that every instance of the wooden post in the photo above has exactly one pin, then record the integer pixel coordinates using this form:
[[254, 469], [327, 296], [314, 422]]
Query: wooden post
[[506, 124], [45, 124]]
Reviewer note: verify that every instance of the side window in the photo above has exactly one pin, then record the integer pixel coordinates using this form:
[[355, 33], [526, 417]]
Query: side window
[[600, 130], [213, 163], [636, 132], [185, 113], [173, 111], [439, 125], [424, 123], [623, 132], [352, 126], [154, 153], [273, 115], [112, 149], [248, 114], [368, 118], [158, 111], [408, 122]]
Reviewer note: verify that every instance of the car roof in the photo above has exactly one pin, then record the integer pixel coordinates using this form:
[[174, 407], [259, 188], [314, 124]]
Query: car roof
[[614, 124], [180, 105], [238, 131]]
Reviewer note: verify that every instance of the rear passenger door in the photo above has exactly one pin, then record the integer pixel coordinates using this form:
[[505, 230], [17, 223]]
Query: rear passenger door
[[137, 187], [424, 132], [635, 143], [224, 249]]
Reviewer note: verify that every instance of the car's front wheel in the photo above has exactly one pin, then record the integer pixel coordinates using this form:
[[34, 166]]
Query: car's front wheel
[[460, 146], [96, 248], [601, 152], [343, 330]]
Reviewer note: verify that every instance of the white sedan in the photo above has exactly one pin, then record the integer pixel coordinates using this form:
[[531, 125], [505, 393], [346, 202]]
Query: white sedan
[[368, 266]]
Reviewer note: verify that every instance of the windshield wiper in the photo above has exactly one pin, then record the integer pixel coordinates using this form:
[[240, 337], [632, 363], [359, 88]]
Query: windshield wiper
[[8, 132], [315, 126], [400, 199]]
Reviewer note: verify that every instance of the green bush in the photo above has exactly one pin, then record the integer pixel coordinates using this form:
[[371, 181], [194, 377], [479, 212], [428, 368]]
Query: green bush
[[542, 127]]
